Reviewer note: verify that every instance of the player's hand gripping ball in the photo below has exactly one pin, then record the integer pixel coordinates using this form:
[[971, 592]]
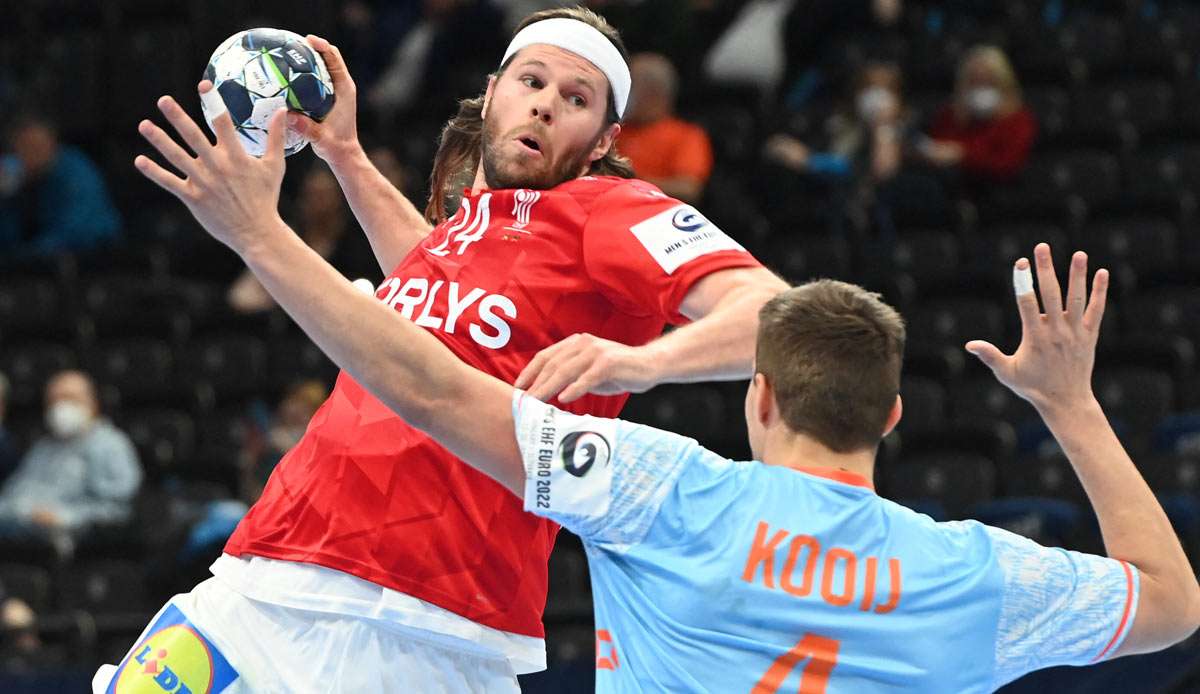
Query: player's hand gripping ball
[[258, 71]]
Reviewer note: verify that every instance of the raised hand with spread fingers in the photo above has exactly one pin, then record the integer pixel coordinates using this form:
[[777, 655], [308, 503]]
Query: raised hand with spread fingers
[[233, 195]]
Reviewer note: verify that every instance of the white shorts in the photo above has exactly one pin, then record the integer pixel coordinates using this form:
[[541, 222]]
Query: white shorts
[[215, 639]]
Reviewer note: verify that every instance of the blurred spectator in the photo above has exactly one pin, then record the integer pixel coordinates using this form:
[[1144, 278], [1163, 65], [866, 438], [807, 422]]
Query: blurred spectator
[[8, 449], [860, 139], [856, 161], [817, 35], [441, 53], [669, 152], [20, 648], [391, 167], [986, 132], [323, 220], [85, 471], [279, 434], [772, 43], [52, 197]]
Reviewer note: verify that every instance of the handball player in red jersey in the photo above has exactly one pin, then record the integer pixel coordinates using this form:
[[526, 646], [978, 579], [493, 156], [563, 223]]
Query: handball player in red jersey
[[375, 560]]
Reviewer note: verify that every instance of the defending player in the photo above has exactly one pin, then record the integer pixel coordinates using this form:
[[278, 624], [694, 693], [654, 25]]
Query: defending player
[[714, 575], [556, 271]]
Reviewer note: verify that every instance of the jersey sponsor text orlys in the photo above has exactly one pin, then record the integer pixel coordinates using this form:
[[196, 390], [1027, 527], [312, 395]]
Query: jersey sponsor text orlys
[[509, 274]]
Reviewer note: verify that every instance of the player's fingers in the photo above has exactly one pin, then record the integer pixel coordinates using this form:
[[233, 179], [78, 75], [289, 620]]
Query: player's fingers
[[222, 122], [333, 62], [191, 133], [533, 370], [1048, 282], [587, 382], [307, 127], [1027, 305], [563, 374], [1095, 310], [163, 178], [1077, 286], [170, 149], [275, 130], [987, 353]]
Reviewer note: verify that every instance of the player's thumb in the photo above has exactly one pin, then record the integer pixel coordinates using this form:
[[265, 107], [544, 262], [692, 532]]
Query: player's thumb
[[986, 352], [308, 128], [275, 131]]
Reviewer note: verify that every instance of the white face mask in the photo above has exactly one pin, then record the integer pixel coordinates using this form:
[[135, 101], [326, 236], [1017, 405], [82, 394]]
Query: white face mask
[[67, 418], [873, 102], [982, 102]]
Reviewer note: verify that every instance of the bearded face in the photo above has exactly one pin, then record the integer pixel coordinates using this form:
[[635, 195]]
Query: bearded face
[[545, 120]]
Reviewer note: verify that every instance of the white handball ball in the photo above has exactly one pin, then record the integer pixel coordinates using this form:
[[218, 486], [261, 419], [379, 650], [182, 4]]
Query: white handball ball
[[258, 71]]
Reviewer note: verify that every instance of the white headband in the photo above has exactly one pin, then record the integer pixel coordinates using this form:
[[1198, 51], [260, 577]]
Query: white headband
[[584, 41]]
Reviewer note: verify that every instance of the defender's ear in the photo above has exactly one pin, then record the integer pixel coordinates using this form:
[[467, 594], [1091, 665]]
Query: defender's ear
[[894, 416]]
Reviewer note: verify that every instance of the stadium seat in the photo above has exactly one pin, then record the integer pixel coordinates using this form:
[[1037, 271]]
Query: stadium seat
[[28, 366], [799, 258], [1139, 396], [952, 322], [940, 362], [1118, 115], [692, 410], [226, 369], [1048, 477], [1059, 187], [930, 257], [135, 371], [295, 359], [570, 590], [955, 480], [984, 398], [1052, 106], [1171, 354], [1049, 522], [164, 438], [1178, 433], [924, 405], [1147, 245], [1158, 47], [107, 304], [28, 582], [1164, 311], [32, 309], [108, 585]]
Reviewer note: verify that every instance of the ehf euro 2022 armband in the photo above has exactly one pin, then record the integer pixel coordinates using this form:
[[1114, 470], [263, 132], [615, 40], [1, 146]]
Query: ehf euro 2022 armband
[[173, 658], [568, 463]]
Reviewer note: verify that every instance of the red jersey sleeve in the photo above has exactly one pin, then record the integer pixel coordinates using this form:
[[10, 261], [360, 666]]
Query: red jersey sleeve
[[645, 250]]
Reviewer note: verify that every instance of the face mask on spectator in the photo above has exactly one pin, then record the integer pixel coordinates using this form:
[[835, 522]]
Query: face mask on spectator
[[982, 102], [66, 418], [873, 102]]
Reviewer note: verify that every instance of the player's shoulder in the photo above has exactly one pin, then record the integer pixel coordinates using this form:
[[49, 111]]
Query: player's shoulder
[[600, 193]]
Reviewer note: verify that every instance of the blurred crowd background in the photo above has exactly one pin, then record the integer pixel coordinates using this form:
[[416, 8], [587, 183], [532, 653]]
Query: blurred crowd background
[[913, 146]]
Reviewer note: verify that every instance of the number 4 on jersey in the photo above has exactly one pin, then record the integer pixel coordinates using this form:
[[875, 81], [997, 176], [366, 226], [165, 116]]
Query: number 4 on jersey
[[822, 656]]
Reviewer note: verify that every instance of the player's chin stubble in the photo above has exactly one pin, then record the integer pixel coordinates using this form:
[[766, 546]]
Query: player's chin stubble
[[501, 172]]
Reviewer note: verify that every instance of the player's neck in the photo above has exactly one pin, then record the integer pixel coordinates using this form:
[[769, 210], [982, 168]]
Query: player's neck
[[800, 452]]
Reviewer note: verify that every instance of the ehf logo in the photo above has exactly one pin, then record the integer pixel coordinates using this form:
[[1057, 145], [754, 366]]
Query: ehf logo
[[523, 202], [582, 450], [688, 219]]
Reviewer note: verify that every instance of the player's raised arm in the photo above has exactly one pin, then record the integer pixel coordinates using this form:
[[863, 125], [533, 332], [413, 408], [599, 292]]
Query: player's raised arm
[[235, 198], [393, 224], [1052, 369]]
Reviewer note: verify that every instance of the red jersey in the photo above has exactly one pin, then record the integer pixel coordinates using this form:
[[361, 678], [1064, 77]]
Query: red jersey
[[511, 273]]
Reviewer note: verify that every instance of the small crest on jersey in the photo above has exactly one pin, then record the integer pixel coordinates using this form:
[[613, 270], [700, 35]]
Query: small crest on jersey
[[523, 202]]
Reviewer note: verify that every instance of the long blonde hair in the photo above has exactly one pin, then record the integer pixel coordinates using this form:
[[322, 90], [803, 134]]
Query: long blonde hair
[[997, 62], [461, 141]]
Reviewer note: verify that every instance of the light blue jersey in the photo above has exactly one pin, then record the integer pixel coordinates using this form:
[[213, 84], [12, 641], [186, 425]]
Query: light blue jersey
[[711, 575]]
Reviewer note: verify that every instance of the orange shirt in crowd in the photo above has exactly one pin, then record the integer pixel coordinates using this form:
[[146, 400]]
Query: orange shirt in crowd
[[666, 149]]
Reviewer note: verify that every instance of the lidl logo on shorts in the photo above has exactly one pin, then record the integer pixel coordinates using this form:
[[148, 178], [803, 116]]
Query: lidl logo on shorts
[[174, 659]]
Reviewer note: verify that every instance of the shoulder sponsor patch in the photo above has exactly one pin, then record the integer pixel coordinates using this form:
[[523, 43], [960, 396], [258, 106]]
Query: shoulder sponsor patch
[[677, 235], [174, 658]]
